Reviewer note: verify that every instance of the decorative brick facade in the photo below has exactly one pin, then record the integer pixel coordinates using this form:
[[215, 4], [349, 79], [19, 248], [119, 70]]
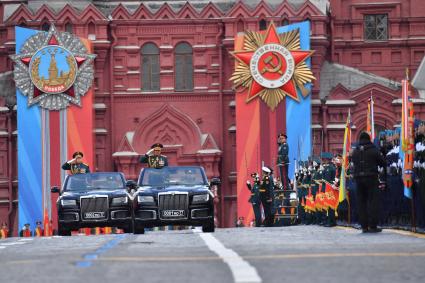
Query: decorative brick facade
[[198, 126]]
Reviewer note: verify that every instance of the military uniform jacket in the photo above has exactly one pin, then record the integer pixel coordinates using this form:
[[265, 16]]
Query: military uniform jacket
[[266, 187], [329, 173], [154, 161], [255, 193], [282, 154], [79, 168], [317, 176]]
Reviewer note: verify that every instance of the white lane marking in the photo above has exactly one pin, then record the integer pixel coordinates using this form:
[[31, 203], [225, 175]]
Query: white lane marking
[[26, 240], [12, 244], [1, 247], [242, 271]]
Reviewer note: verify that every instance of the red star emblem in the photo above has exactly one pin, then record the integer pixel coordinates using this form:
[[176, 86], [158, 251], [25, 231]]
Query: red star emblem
[[272, 67]]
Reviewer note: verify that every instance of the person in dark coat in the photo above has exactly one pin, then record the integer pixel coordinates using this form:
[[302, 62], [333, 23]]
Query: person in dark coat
[[266, 196], [283, 160], [366, 158], [255, 199]]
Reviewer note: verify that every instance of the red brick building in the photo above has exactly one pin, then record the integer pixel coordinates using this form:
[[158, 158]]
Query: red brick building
[[162, 74]]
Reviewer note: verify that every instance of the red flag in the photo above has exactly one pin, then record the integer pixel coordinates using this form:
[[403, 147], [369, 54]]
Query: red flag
[[332, 196]]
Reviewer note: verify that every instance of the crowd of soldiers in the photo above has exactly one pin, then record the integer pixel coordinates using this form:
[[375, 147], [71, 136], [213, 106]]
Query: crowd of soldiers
[[313, 198], [317, 189], [397, 209]]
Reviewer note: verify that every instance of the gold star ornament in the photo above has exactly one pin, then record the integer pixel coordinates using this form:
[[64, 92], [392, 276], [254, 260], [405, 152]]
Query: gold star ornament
[[272, 66]]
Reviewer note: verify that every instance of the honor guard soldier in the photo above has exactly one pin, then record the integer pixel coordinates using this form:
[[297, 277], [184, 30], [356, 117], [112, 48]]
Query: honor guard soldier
[[255, 197], [26, 231], [334, 171], [317, 186], [4, 231], [283, 160], [266, 196], [38, 232], [76, 165], [153, 157]]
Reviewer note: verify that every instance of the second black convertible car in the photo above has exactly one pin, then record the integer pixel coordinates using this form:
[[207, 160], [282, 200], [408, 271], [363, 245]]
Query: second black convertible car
[[93, 200], [173, 196]]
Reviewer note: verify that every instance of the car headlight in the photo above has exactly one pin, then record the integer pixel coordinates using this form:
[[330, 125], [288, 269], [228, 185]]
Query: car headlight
[[68, 202], [145, 199], [200, 198], [120, 200]]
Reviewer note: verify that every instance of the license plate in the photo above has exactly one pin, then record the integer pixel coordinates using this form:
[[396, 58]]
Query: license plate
[[94, 215], [173, 213]]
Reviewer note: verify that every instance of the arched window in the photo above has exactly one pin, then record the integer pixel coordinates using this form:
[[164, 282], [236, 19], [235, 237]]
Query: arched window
[[91, 28], [150, 67], [183, 67], [68, 27], [240, 26], [45, 26], [263, 24], [285, 22]]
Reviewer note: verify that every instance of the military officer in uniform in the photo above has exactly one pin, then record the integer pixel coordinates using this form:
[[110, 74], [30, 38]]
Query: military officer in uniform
[[283, 160], [153, 157], [76, 165], [266, 196], [329, 171], [255, 197], [334, 171], [316, 189]]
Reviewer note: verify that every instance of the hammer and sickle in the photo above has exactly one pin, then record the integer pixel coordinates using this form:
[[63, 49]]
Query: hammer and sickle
[[269, 62]]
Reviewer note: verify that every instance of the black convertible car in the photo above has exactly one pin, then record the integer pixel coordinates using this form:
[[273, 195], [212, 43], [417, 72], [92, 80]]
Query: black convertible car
[[93, 200], [173, 196]]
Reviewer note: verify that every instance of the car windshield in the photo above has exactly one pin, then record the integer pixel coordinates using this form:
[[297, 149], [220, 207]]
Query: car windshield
[[168, 176], [95, 181]]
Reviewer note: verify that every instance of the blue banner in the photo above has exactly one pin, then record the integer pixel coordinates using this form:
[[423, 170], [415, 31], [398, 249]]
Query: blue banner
[[298, 114], [29, 151]]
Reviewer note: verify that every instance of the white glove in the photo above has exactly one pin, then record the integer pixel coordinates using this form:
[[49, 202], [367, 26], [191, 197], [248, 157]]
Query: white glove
[[149, 152], [248, 182], [71, 161]]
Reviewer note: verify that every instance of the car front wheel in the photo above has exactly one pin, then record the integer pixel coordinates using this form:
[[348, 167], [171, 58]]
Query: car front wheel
[[208, 227], [63, 231], [138, 229]]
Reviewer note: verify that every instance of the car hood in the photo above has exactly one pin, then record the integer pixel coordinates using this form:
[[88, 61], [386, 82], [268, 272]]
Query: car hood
[[174, 188], [109, 193]]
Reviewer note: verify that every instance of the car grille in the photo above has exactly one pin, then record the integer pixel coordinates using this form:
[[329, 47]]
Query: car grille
[[200, 213], [146, 214], [173, 202], [97, 204]]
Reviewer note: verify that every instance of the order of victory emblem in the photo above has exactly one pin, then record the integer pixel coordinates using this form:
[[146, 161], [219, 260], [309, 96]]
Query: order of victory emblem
[[272, 66], [53, 69]]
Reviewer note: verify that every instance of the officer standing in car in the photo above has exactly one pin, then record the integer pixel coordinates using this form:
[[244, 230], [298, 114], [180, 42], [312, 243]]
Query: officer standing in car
[[154, 158], [76, 165], [255, 199]]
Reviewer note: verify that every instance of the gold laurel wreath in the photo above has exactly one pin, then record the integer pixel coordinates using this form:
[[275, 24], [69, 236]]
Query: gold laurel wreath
[[242, 77]]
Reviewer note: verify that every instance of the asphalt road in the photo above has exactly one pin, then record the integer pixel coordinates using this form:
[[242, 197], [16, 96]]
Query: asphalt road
[[287, 254]]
